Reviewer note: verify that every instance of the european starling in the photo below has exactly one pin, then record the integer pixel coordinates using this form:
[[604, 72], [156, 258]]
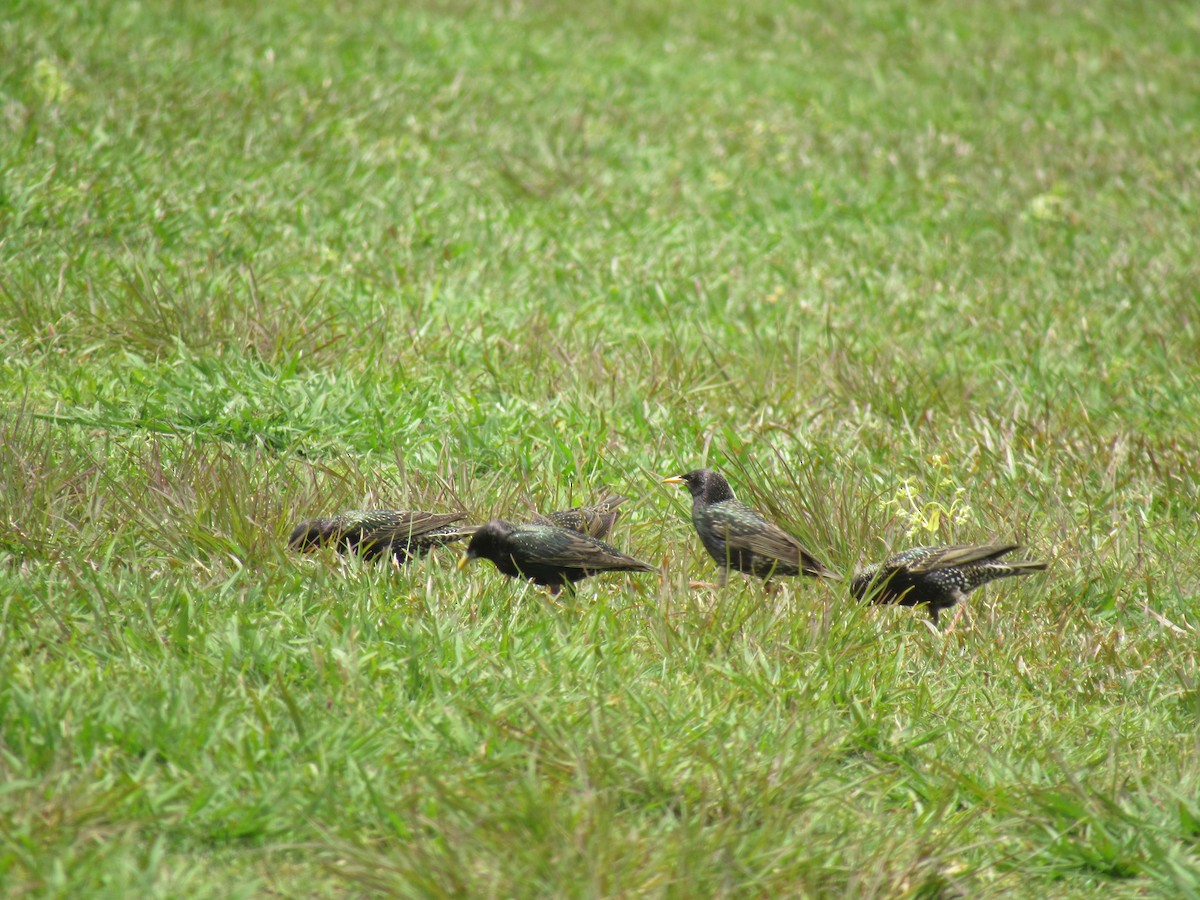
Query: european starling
[[546, 554], [739, 538], [595, 521], [939, 576], [373, 532]]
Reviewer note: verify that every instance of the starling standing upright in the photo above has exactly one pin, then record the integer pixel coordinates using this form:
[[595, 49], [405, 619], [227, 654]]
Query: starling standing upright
[[373, 532], [595, 521], [546, 554], [939, 576], [739, 538]]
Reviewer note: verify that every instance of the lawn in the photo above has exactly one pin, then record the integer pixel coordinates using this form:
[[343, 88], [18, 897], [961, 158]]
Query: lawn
[[907, 272]]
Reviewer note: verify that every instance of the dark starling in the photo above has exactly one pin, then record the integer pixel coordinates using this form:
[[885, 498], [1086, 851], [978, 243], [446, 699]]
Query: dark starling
[[939, 576], [595, 521], [374, 532], [546, 554], [739, 538]]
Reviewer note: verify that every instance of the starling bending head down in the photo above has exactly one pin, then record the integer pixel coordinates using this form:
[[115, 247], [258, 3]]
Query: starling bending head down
[[596, 521], [939, 576], [740, 538], [373, 533], [546, 554]]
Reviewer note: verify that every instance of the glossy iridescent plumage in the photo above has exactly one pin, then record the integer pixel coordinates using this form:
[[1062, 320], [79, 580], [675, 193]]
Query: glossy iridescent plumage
[[740, 538], [547, 554], [596, 520], [373, 533], [939, 576]]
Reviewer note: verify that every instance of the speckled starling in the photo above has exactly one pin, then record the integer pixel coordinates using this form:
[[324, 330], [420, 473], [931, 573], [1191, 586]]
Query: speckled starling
[[740, 538], [595, 521], [546, 554], [374, 532], [939, 576]]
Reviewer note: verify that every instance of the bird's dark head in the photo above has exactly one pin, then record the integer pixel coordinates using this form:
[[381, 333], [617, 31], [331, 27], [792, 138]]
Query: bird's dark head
[[704, 484], [487, 542], [308, 536]]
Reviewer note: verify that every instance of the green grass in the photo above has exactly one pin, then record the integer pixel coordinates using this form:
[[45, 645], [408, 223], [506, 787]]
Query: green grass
[[907, 272]]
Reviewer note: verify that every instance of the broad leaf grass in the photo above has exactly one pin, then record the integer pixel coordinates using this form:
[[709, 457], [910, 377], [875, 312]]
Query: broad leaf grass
[[906, 272]]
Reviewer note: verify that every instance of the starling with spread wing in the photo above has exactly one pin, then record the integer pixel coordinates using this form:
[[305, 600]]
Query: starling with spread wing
[[938, 576]]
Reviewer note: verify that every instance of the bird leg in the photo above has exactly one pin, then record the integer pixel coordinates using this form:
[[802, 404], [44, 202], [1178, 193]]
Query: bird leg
[[958, 614]]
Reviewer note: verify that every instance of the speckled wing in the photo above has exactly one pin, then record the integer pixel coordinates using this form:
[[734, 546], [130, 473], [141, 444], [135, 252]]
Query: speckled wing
[[559, 547], [745, 530], [397, 525], [928, 559], [596, 520], [374, 531]]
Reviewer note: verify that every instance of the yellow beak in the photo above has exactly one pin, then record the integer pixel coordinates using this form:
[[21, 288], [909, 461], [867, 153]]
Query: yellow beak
[[462, 563], [673, 479]]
